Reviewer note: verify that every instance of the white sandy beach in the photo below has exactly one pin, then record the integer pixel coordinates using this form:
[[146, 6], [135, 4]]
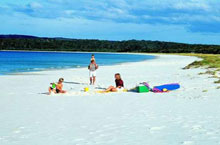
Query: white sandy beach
[[187, 116]]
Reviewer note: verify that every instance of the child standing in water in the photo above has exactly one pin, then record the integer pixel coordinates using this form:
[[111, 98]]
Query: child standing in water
[[92, 72], [57, 88]]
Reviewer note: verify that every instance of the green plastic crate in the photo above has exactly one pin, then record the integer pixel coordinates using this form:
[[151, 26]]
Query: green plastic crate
[[142, 89]]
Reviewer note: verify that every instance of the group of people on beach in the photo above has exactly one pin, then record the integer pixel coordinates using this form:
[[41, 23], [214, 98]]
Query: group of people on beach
[[58, 87]]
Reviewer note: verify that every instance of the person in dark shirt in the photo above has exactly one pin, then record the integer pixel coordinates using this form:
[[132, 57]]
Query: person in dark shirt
[[119, 84]]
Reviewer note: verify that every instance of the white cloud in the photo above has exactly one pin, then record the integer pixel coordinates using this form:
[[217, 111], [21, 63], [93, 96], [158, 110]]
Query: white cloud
[[192, 5], [165, 12], [35, 5], [73, 21], [69, 12]]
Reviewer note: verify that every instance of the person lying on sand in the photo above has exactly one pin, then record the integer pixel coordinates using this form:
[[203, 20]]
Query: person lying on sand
[[119, 84], [57, 88]]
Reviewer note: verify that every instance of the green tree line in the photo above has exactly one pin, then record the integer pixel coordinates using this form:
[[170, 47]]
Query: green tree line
[[57, 44]]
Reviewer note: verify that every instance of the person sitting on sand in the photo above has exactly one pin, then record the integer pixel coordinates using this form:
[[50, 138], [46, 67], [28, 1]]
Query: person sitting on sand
[[92, 72], [119, 84], [58, 88]]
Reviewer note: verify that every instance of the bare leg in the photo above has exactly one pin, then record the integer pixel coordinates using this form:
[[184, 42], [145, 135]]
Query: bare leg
[[49, 90], [90, 80], [112, 89], [62, 91], [94, 79]]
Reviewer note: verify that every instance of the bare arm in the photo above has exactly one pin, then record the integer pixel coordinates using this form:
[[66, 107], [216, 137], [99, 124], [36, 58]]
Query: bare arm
[[96, 66]]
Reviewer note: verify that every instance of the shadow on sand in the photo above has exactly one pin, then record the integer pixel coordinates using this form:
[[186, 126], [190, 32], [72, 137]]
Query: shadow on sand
[[76, 83]]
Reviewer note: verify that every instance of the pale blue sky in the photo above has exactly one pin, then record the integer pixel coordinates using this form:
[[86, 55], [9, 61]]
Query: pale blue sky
[[188, 21]]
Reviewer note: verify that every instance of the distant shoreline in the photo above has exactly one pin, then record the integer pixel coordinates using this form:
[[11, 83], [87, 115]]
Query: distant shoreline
[[17, 42], [138, 53], [64, 63], [134, 53]]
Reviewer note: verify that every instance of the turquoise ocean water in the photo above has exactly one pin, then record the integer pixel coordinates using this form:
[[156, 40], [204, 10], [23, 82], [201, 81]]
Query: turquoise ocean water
[[17, 61]]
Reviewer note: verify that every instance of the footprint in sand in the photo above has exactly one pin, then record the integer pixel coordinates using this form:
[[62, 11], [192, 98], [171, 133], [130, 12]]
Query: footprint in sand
[[91, 133], [108, 125], [79, 140], [83, 127], [156, 128], [24, 136], [196, 127], [188, 143], [212, 134], [17, 131]]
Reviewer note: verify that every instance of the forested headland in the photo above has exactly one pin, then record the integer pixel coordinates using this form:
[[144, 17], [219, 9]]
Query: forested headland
[[32, 43]]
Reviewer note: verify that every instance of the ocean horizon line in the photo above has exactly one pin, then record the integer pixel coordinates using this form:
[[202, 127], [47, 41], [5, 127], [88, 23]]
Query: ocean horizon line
[[34, 61]]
